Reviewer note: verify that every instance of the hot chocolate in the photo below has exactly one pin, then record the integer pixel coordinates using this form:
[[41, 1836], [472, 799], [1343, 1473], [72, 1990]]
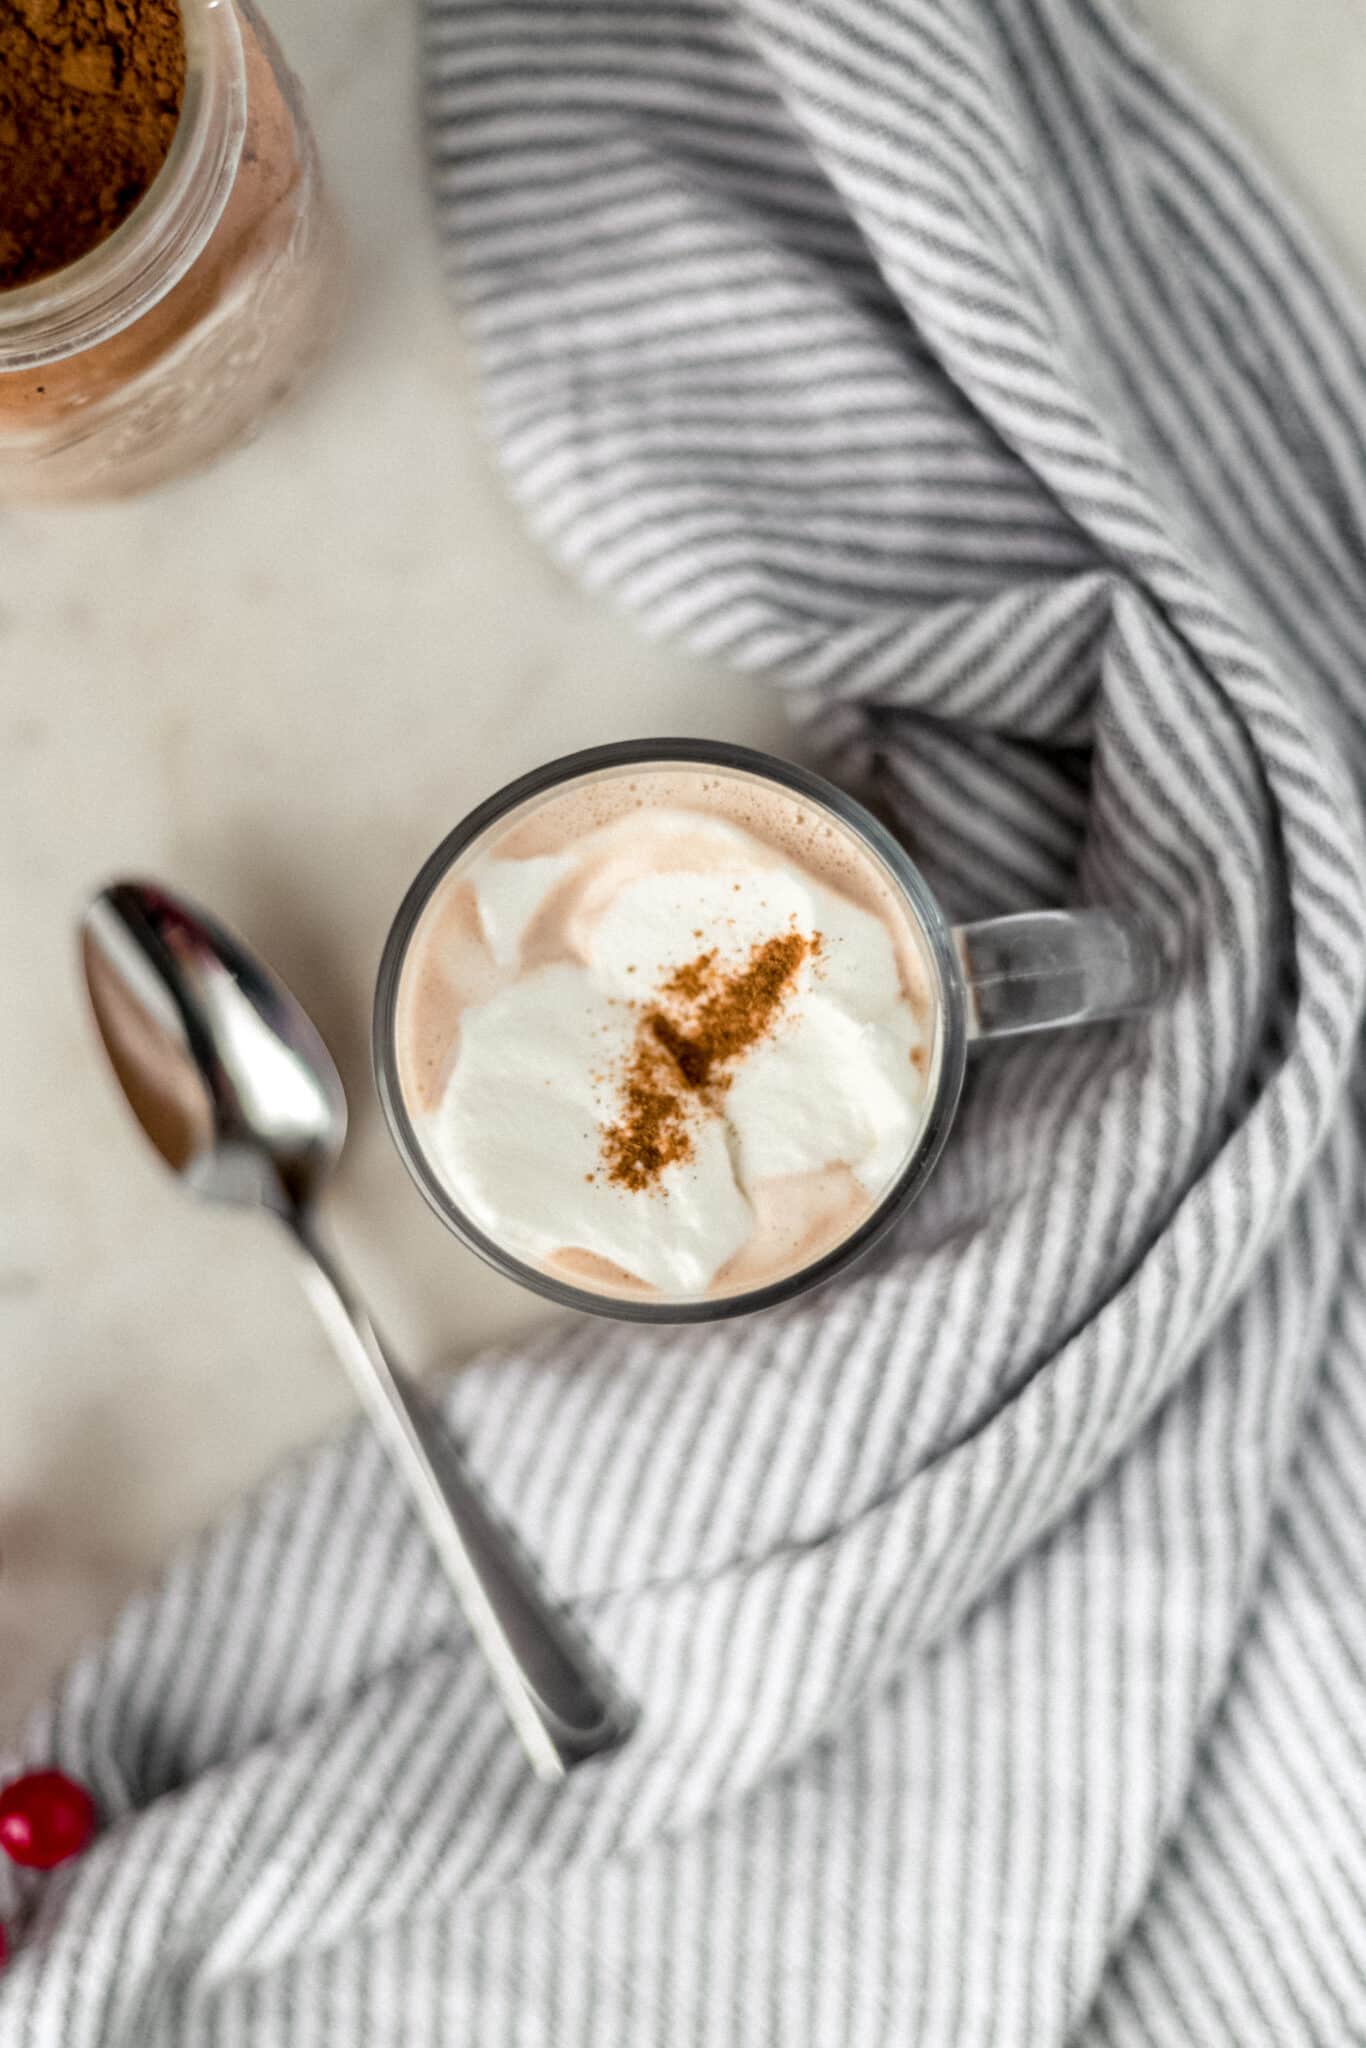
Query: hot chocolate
[[667, 1032]]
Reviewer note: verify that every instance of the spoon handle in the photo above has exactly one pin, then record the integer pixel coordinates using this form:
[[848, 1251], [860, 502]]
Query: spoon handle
[[561, 1705]]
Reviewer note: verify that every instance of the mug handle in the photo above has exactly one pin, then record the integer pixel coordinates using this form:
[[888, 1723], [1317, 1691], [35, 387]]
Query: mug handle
[[1041, 969]]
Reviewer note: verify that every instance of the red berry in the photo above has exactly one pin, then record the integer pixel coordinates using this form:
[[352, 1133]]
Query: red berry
[[44, 1818]]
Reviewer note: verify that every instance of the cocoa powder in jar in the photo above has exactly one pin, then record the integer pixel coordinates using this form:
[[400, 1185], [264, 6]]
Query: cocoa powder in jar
[[90, 95], [257, 222]]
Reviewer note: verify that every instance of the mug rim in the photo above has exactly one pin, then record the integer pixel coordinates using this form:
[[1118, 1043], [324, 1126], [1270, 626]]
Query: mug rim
[[940, 948]]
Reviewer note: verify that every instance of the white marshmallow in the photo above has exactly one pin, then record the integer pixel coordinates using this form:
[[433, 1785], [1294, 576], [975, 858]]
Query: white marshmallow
[[509, 893]]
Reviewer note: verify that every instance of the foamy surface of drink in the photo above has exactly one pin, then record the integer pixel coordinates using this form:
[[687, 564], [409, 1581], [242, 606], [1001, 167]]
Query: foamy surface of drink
[[697, 910]]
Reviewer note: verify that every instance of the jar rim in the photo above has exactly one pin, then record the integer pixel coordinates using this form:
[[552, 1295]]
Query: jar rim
[[121, 278]]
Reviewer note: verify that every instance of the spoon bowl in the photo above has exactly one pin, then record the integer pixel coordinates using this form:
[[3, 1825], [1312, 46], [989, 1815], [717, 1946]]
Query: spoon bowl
[[221, 1066]]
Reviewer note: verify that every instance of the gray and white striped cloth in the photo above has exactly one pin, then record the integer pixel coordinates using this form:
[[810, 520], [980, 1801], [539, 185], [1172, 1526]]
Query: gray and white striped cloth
[[999, 1621]]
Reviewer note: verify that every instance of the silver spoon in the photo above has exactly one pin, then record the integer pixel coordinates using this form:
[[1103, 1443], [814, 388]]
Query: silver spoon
[[239, 1095]]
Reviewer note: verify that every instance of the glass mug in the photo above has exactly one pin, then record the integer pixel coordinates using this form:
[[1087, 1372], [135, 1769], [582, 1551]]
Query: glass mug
[[1038, 970]]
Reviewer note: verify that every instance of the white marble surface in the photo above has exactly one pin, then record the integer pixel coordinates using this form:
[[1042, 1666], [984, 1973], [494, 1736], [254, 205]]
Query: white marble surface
[[278, 684]]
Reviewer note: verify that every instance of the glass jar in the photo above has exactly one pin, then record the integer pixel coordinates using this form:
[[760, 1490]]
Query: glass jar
[[170, 340]]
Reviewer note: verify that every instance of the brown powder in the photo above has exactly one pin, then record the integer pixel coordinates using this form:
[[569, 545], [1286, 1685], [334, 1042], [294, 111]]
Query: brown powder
[[693, 980], [701, 1022], [652, 1129], [90, 94]]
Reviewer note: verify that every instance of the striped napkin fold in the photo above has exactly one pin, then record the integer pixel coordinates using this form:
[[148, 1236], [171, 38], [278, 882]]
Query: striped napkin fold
[[998, 1619]]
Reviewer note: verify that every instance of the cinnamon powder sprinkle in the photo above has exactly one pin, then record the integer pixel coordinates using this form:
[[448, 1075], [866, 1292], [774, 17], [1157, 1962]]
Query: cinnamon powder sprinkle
[[700, 1022]]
